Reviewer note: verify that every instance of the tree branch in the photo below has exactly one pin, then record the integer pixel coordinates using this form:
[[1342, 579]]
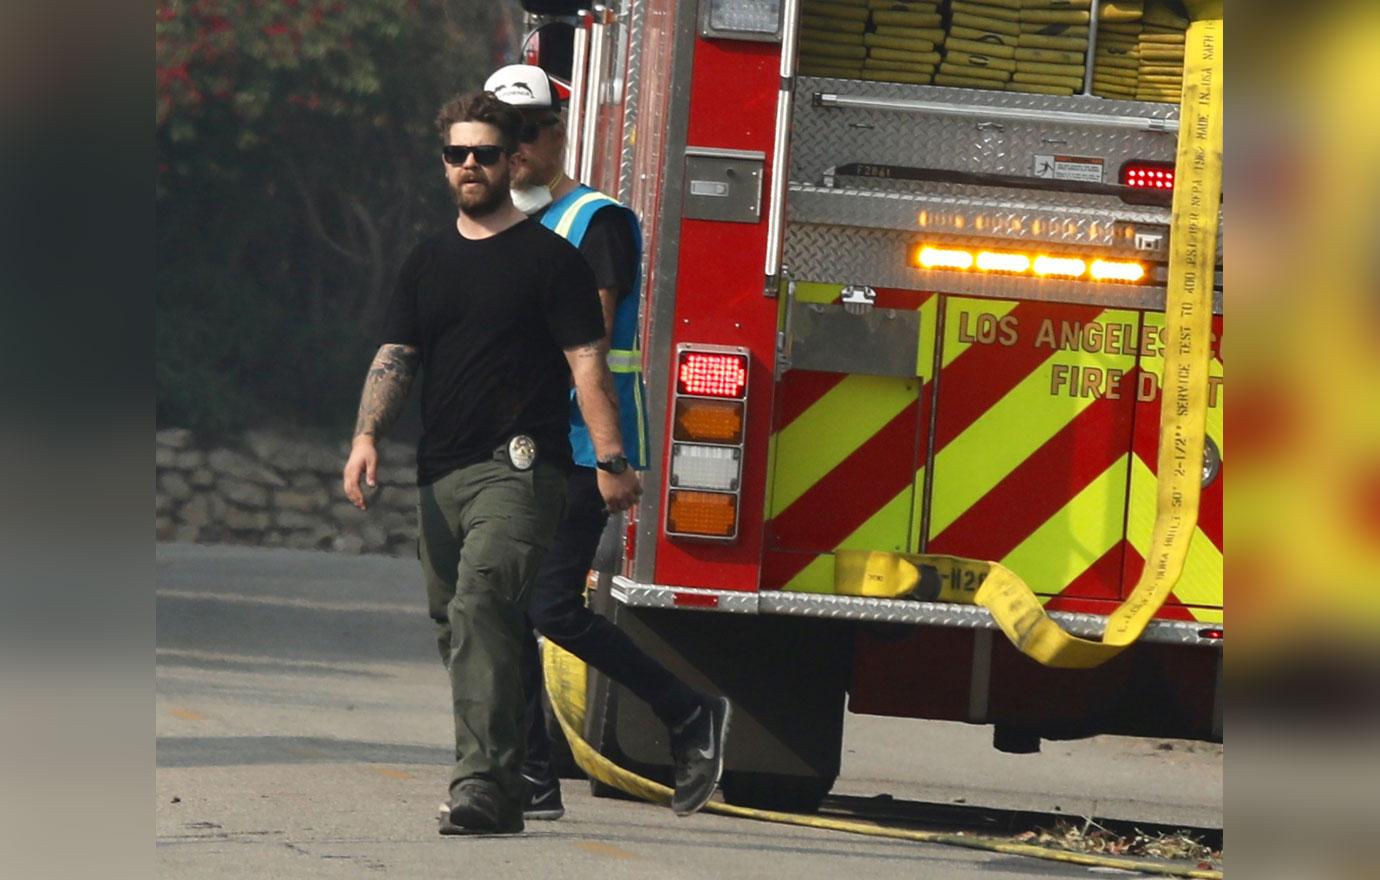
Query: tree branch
[[314, 215]]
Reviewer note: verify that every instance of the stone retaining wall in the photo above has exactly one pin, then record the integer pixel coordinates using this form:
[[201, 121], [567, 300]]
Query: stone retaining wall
[[272, 491]]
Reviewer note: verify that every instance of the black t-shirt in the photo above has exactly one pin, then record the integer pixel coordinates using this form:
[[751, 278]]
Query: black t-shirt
[[491, 318], [609, 248]]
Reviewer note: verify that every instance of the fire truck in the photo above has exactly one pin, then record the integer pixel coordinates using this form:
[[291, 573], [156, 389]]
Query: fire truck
[[889, 316]]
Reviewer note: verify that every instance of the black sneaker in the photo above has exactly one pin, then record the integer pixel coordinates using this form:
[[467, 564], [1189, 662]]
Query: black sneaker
[[476, 807], [543, 799], [697, 750]]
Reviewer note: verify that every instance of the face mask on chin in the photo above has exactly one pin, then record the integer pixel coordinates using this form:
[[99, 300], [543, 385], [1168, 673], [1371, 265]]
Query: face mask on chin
[[530, 199]]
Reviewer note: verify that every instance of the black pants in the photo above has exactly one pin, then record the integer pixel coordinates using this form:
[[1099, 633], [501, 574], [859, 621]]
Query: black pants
[[556, 609]]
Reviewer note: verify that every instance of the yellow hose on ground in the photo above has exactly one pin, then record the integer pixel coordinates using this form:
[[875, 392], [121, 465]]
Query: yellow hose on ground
[[565, 685]]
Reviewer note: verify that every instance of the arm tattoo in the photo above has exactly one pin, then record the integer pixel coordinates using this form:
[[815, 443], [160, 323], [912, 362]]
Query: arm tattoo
[[597, 353], [598, 397], [385, 388]]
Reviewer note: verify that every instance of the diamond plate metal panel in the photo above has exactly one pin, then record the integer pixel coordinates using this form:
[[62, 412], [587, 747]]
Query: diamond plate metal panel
[[878, 258], [982, 212], [631, 593], [861, 608], [632, 93], [822, 136]]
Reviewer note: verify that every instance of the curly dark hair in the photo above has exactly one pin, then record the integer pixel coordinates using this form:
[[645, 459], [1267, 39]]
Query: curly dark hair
[[481, 107]]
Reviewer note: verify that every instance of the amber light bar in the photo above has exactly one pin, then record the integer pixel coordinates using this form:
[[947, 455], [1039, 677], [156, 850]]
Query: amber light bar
[[1015, 263]]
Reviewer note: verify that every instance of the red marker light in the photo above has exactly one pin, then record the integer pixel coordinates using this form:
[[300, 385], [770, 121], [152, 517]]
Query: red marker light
[[1148, 175], [712, 374]]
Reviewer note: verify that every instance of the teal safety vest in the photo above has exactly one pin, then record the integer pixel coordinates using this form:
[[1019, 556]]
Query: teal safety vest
[[569, 217]]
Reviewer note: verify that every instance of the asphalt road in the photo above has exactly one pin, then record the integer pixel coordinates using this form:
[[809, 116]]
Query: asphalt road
[[302, 731]]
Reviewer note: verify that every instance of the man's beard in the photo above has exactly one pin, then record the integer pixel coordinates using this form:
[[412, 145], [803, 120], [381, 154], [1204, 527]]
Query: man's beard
[[529, 175], [481, 203]]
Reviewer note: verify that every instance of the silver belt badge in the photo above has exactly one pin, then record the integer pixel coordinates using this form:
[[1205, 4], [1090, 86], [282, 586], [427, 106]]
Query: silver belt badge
[[522, 452]]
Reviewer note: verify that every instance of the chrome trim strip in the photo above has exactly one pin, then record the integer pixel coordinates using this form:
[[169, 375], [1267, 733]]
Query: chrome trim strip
[[721, 153], [594, 91], [780, 151], [1090, 54], [574, 114], [1014, 114]]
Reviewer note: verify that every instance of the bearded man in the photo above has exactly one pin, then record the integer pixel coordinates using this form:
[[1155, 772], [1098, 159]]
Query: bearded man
[[500, 314]]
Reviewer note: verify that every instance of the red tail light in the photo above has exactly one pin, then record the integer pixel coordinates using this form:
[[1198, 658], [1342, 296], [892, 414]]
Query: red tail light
[[705, 478], [712, 374]]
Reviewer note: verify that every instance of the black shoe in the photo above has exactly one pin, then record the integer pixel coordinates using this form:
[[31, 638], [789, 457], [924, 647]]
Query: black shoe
[[543, 799], [476, 807], [697, 750]]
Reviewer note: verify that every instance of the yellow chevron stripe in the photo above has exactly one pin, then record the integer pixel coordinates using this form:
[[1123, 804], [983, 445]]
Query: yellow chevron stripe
[[812, 292], [817, 577], [880, 532], [1201, 582], [832, 429], [1074, 538], [1015, 427]]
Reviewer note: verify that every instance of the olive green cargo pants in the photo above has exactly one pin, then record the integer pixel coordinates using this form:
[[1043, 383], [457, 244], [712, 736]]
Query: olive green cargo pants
[[484, 530]]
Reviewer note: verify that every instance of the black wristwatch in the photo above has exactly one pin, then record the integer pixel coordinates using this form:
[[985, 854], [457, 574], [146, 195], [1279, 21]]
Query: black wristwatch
[[616, 465]]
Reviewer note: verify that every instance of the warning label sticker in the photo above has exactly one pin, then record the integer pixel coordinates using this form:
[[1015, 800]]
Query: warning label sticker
[[1081, 168]]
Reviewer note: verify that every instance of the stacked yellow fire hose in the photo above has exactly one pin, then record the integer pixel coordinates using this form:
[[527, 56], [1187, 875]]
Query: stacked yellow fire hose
[[1014, 606]]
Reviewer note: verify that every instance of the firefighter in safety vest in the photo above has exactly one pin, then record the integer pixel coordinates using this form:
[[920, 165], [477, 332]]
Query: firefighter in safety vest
[[609, 236]]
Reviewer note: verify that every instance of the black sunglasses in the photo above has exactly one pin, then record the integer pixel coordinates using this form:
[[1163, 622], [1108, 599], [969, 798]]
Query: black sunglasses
[[530, 131], [486, 154]]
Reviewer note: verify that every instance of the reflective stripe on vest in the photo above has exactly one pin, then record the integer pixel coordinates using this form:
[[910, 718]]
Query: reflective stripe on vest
[[625, 360]]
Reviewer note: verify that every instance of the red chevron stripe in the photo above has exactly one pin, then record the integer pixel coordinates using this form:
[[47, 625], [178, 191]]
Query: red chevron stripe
[[1044, 483], [894, 298], [801, 389], [976, 380], [1102, 579], [779, 566], [876, 472]]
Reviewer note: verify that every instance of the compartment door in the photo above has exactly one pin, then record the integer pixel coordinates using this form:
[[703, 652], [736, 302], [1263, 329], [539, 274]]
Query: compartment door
[[1032, 442], [848, 446]]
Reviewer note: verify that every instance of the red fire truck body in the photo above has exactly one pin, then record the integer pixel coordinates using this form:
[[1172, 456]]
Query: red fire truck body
[[926, 335]]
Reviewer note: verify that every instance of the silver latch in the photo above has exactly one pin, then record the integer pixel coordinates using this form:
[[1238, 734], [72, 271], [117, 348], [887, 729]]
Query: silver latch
[[858, 299]]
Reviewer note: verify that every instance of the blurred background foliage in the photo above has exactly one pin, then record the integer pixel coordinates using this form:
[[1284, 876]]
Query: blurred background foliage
[[296, 167]]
